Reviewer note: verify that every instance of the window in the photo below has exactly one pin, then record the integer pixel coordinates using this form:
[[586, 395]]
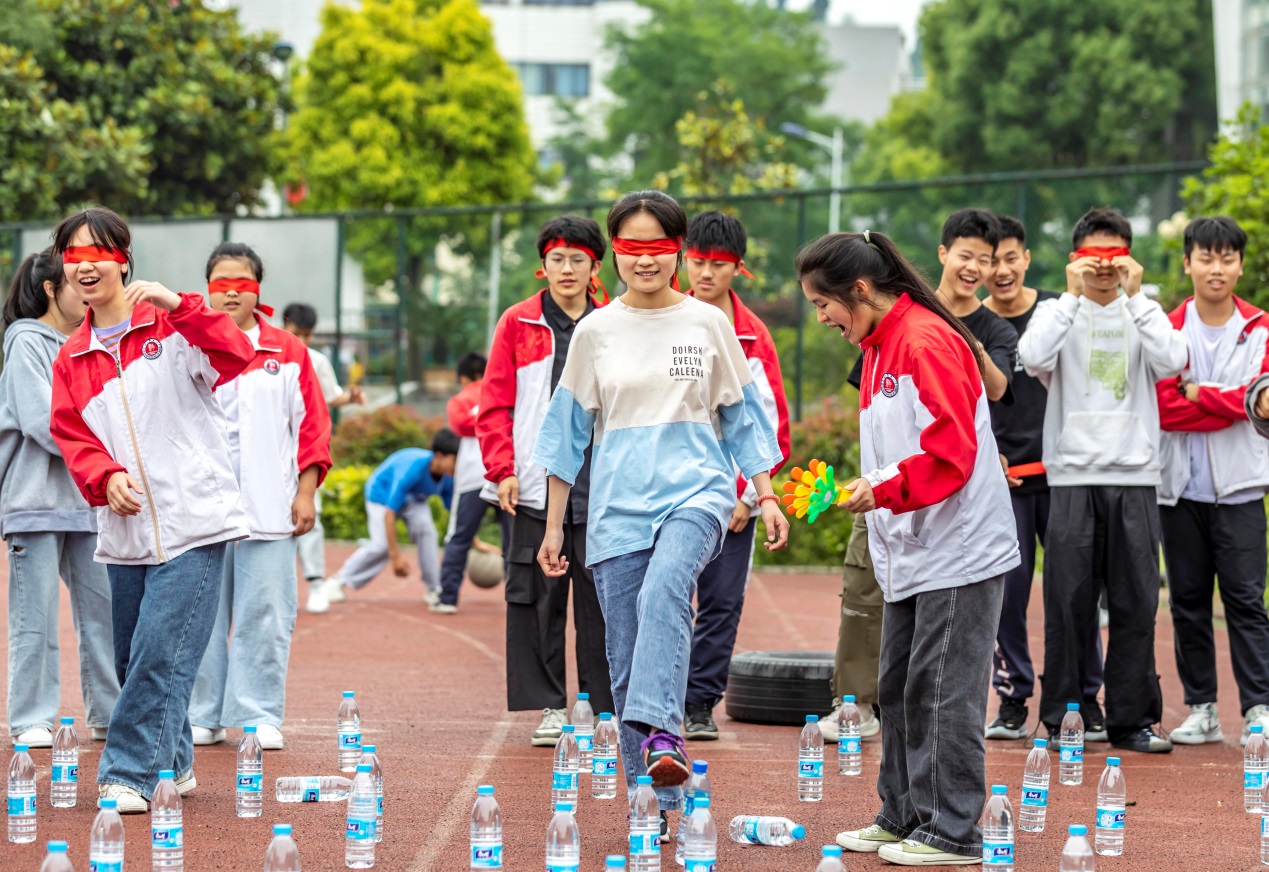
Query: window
[[560, 80]]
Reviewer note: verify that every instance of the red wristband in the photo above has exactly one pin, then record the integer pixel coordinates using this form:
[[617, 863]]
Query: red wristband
[[767, 497]]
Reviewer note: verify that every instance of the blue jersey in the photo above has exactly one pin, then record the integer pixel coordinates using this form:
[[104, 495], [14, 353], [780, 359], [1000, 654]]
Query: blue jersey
[[406, 477]]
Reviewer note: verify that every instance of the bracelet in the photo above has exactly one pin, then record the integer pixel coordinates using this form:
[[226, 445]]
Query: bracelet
[[767, 497]]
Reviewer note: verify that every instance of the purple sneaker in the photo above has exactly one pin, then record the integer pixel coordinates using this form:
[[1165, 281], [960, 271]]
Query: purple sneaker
[[666, 759]]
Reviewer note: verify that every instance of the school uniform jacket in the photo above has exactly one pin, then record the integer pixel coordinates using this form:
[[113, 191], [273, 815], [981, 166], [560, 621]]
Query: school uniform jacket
[[1238, 456], [462, 410], [943, 516], [153, 415], [283, 429]]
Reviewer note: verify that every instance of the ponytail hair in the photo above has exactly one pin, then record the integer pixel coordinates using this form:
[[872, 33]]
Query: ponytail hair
[[27, 297], [834, 265]]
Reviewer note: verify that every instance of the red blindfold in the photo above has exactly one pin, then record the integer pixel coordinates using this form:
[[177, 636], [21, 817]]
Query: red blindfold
[[651, 247], [1102, 253], [93, 254], [719, 255], [242, 286], [596, 286]]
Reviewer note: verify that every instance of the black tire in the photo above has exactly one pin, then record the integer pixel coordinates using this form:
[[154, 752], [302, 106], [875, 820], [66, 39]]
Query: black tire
[[779, 687]]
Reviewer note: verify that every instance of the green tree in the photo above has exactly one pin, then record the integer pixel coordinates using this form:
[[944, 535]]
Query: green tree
[[773, 61]]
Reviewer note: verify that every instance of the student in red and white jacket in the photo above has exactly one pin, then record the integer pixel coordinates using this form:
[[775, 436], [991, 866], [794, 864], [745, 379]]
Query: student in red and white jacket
[[942, 537], [716, 247], [1215, 475], [279, 442], [144, 438], [526, 360]]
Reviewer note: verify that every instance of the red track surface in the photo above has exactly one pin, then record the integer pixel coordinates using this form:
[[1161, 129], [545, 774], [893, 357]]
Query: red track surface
[[432, 696]]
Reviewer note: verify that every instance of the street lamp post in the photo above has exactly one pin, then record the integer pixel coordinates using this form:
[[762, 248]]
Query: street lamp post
[[834, 145]]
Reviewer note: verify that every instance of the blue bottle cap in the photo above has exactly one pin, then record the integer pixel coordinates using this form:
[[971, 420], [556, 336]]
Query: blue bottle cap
[[166, 773], [364, 767], [832, 851], [1078, 830], [348, 694], [643, 779], [701, 802], [281, 829], [249, 729], [999, 790], [569, 728], [1072, 706], [812, 719], [68, 721], [798, 831], [583, 696], [1257, 728], [368, 749], [615, 861], [1112, 761], [109, 802], [21, 749], [700, 767], [1042, 743], [605, 716], [850, 698], [57, 847], [485, 790], [563, 806]]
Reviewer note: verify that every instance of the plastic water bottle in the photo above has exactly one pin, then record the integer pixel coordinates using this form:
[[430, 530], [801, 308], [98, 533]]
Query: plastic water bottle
[[368, 755], [1264, 839], [564, 769], [65, 775], [323, 788], [832, 861], [645, 828], [167, 834], [486, 830], [850, 747], [697, 786], [584, 730], [563, 840], [1035, 789], [614, 861], [1112, 798], [249, 796], [700, 854], [21, 796], [283, 855], [603, 772], [349, 733], [56, 860], [359, 834], [765, 830], [997, 824], [1077, 855], [105, 841], [1071, 746], [1255, 764], [811, 762]]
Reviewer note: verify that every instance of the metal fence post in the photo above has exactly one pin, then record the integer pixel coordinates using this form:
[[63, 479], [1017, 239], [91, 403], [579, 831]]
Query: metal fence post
[[399, 328], [801, 310], [1020, 202], [339, 308], [495, 275]]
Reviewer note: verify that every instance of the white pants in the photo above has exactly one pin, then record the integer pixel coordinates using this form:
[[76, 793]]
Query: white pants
[[312, 546], [371, 558]]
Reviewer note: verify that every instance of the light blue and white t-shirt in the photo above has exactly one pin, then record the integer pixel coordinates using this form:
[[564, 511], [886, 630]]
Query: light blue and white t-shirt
[[671, 401]]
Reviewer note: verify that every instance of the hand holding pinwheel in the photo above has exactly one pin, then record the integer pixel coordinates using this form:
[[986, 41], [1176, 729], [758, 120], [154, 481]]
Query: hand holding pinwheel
[[812, 490]]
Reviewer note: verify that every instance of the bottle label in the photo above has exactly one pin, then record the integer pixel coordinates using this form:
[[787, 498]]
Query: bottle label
[[810, 769], [349, 741], [563, 780], [360, 829], [1035, 796], [694, 864], [850, 746], [167, 837], [997, 853], [561, 866], [65, 774], [644, 844], [603, 766], [1071, 754], [585, 743], [105, 866], [1110, 818], [311, 790], [1264, 826], [20, 805], [1253, 780], [250, 783], [379, 807], [751, 830], [486, 856]]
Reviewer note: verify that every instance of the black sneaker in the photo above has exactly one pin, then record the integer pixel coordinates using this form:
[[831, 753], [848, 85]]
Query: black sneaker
[[698, 723], [1094, 722], [1146, 740], [1010, 722], [665, 828]]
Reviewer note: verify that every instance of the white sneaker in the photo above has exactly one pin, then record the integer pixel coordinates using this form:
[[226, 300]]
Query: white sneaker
[[317, 602], [1202, 725], [270, 737], [431, 597], [1257, 714], [869, 724], [186, 783], [828, 724], [869, 840], [548, 732], [334, 590], [36, 737], [207, 736], [99, 734], [129, 801], [443, 609]]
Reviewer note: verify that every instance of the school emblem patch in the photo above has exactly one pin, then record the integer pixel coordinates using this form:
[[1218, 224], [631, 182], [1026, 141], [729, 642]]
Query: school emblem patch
[[272, 367], [889, 385], [151, 349], [1242, 337]]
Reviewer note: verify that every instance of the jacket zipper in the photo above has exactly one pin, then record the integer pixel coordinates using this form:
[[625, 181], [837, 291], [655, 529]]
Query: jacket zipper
[[136, 450], [872, 425]]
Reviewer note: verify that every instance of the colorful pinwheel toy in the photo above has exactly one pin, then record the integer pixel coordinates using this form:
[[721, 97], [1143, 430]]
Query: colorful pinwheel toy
[[812, 490]]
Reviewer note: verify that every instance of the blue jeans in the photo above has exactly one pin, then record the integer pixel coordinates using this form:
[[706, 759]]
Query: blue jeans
[[163, 617], [646, 597], [243, 677], [35, 561]]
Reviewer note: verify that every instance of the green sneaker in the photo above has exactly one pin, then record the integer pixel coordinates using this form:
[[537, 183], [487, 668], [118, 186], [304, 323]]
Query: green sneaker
[[912, 853], [866, 841]]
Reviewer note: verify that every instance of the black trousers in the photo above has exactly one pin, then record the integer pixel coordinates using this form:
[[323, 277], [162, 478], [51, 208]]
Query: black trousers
[[471, 513], [1203, 543], [720, 597], [537, 622], [1106, 532]]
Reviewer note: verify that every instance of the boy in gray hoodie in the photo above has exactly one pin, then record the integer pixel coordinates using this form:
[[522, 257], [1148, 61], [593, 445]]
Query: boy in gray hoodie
[[1100, 353]]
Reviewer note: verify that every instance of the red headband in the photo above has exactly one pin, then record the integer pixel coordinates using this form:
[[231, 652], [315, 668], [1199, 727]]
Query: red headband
[[93, 254], [653, 247], [1106, 253], [596, 286], [242, 286], [564, 243], [718, 254]]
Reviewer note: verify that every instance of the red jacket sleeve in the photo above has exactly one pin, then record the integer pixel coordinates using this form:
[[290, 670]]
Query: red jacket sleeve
[[1226, 403], [90, 464], [948, 396], [1178, 414], [314, 428], [497, 400], [227, 349], [461, 410]]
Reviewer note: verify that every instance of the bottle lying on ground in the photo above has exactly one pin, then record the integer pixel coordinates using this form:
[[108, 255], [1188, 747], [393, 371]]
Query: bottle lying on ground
[[316, 788]]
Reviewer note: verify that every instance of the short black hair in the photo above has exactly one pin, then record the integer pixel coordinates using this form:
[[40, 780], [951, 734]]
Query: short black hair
[[575, 230], [27, 298], [714, 231], [236, 251], [971, 224], [445, 442], [1218, 235], [472, 365], [1102, 219], [661, 206], [1011, 228], [302, 315]]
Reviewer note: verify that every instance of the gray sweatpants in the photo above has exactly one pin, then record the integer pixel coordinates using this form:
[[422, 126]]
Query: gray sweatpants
[[371, 558]]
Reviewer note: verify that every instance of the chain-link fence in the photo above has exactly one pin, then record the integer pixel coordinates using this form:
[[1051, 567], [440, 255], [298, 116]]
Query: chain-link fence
[[402, 295]]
